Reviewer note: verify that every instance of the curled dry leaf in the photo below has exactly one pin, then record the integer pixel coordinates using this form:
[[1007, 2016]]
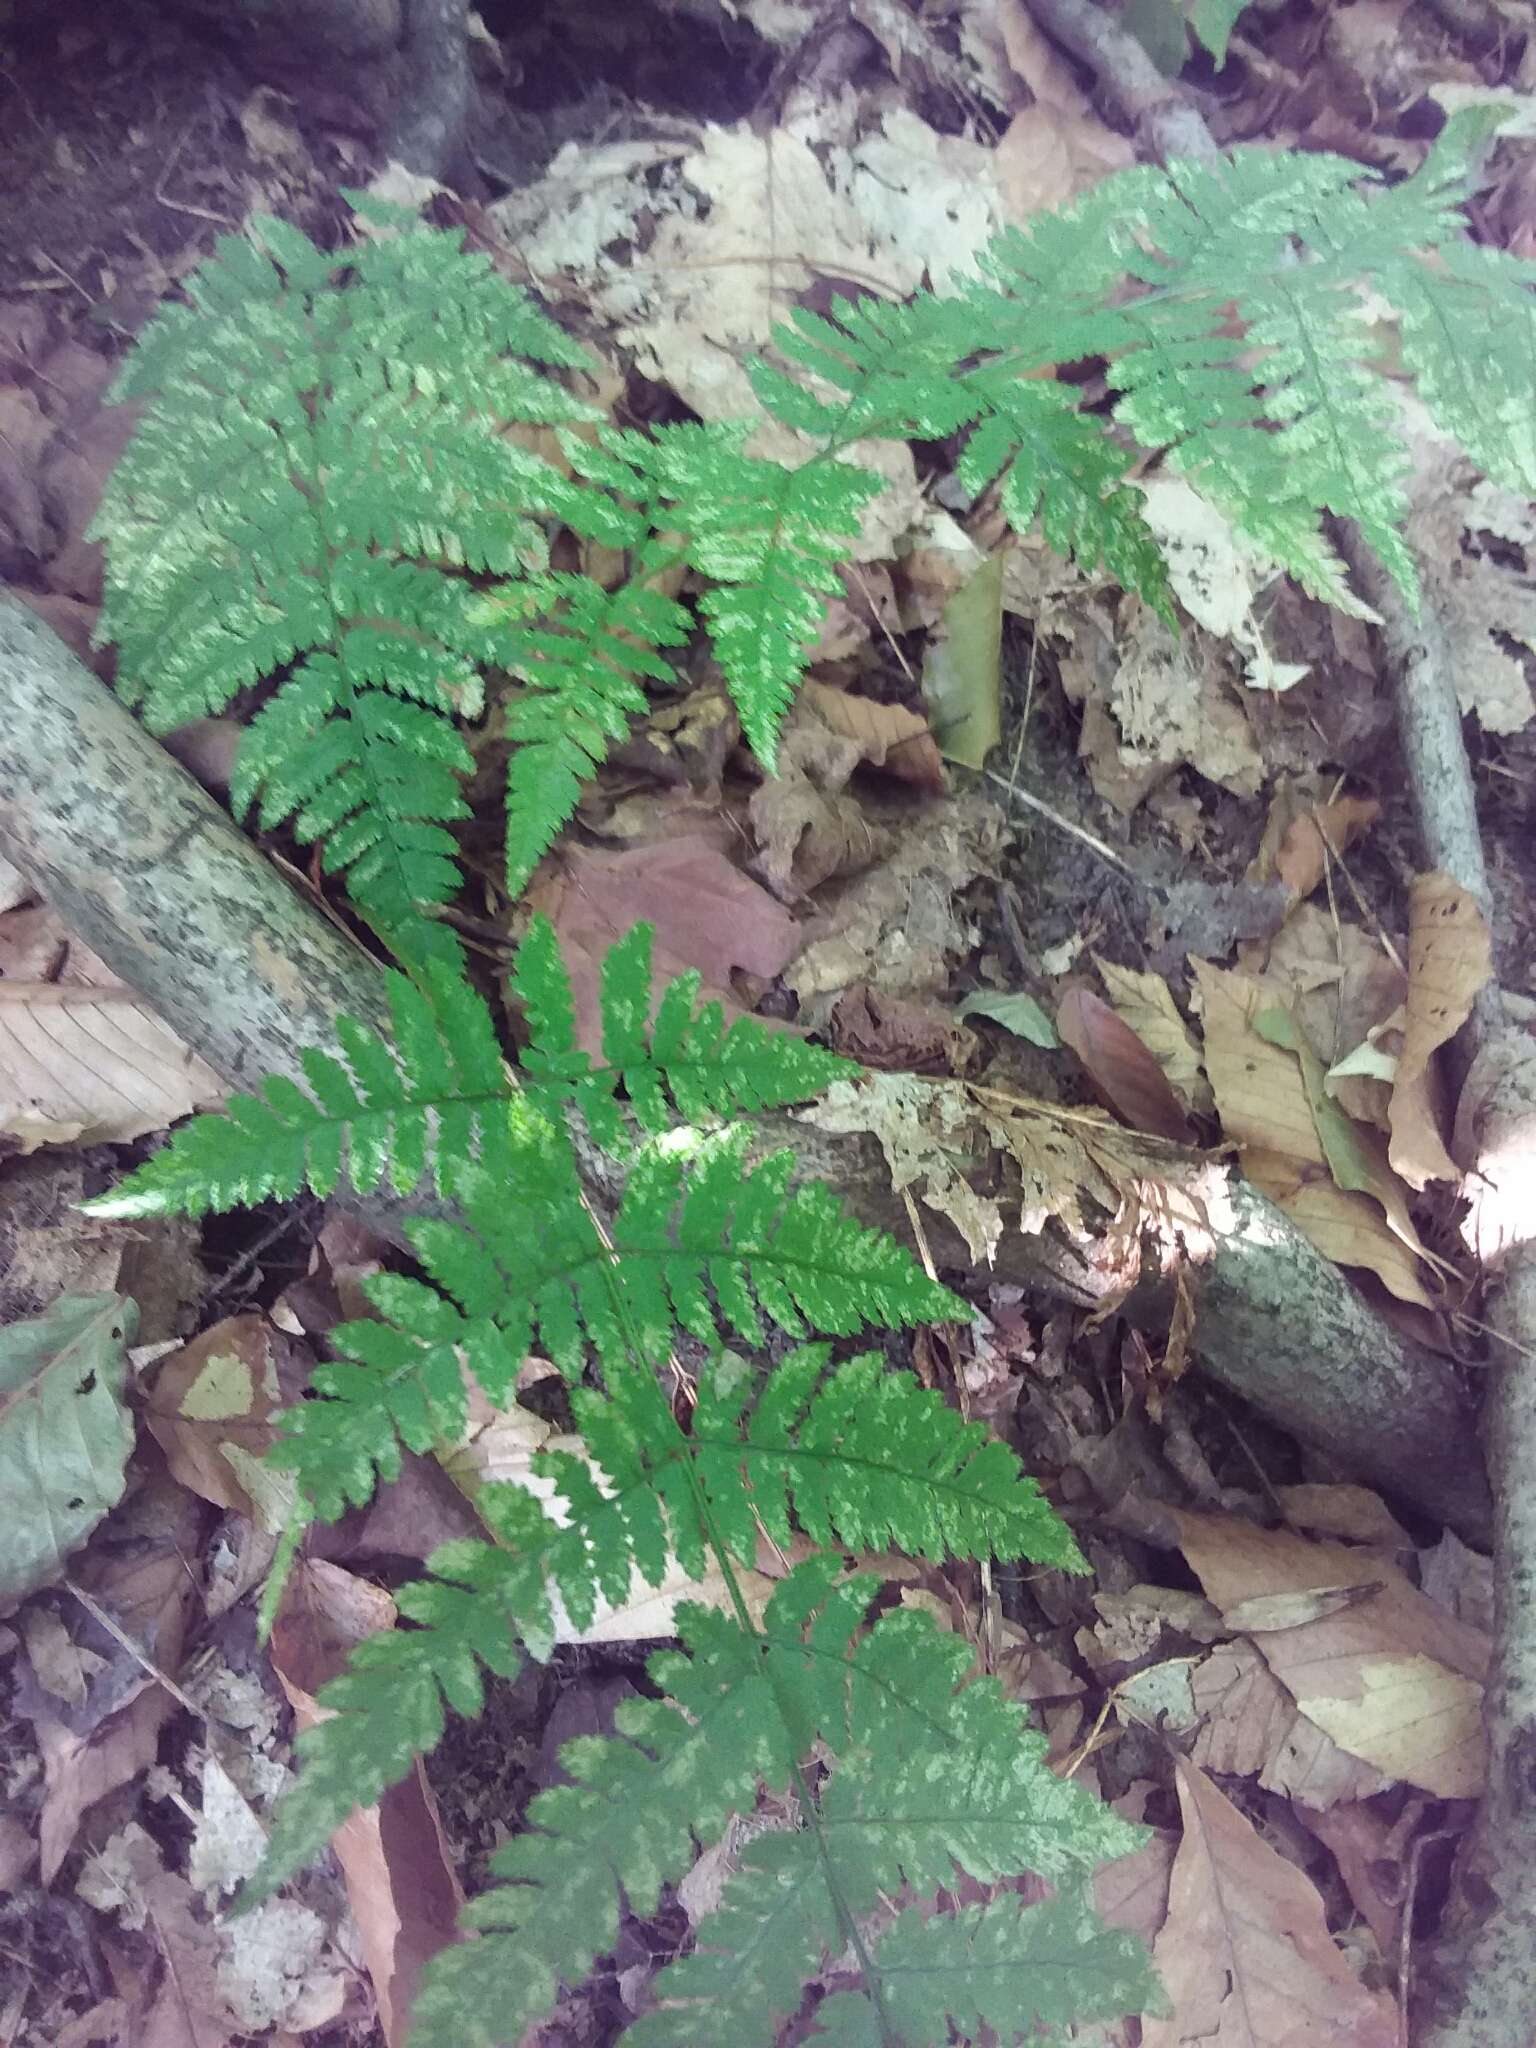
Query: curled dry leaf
[[1321, 832], [888, 736], [1450, 959], [809, 828], [1121, 1066], [92, 1066], [1144, 1002], [1245, 1953], [1266, 1109]]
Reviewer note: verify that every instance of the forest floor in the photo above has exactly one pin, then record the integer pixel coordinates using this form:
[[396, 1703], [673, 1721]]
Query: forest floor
[[1025, 836]]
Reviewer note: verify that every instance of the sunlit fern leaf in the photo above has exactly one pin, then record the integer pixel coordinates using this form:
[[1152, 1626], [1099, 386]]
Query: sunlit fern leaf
[[771, 540], [1037, 1973], [314, 464], [876, 369], [687, 1065], [1469, 337], [1058, 463], [378, 1113], [579, 662], [931, 1774]]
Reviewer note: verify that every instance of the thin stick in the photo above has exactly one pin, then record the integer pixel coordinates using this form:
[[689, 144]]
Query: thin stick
[[1065, 824]]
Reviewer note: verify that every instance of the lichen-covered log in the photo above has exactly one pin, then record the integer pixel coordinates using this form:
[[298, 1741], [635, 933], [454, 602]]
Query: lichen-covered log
[[152, 874]]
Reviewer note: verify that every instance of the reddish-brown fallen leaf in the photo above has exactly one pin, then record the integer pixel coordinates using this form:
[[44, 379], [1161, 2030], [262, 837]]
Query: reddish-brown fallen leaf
[[706, 913], [1323, 830], [1245, 1954], [1122, 1068], [404, 1893], [1450, 958]]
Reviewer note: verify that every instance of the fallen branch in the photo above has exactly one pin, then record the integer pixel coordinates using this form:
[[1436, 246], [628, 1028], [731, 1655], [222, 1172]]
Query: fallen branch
[[1167, 122], [152, 874]]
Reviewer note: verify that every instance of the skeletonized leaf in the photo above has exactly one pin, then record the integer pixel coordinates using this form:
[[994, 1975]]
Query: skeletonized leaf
[[65, 1435], [93, 1066]]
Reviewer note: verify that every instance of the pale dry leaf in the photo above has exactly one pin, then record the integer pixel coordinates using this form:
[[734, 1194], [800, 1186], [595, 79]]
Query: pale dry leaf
[[1121, 1066], [1353, 1513], [1245, 1953], [59, 1664], [1450, 959], [92, 1066], [808, 829], [1145, 1003], [1167, 701], [934, 1133], [211, 1406], [1344, 1225], [1393, 1679]]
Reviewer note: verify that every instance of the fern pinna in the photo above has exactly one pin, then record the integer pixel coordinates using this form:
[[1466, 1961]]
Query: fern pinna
[[326, 501]]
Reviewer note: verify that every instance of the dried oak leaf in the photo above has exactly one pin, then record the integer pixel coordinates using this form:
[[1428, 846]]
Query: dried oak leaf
[[1450, 959]]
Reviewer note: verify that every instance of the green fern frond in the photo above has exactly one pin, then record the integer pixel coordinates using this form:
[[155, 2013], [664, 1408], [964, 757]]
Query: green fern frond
[[862, 1454], [1034, 1973], [383, 1113], [932, 1775], [771, 540], [579, 661], [685, 1065], [313, 464]]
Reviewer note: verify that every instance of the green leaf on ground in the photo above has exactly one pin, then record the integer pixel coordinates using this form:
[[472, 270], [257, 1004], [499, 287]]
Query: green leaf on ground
[[65, 1435]]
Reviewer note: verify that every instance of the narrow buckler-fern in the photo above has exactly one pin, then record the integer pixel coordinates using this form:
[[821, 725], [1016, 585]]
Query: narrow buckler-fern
[[339, 504]]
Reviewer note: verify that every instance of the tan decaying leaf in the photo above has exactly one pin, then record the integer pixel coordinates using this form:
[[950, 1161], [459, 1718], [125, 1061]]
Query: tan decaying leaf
[[400, 1878], [1450, 959], [1263, 1101], [961, 676], [1392, 1679], [1245, 1954], [1352, 1512], [210, 1408], [888, 736], [935, 1133], [1245, 1724], [1057, 146], [1145, 1003], [810, 830], [92, 1066], [1121, 1066]]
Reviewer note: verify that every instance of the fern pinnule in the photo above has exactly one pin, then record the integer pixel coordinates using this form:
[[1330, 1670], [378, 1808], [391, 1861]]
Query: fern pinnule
[[384, 1112]]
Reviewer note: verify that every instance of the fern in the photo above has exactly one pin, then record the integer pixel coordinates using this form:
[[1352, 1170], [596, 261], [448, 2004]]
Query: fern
[[321, 501], [743, 1707]]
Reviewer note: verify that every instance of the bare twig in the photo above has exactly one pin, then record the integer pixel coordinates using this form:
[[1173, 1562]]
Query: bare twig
[[1167, 122]]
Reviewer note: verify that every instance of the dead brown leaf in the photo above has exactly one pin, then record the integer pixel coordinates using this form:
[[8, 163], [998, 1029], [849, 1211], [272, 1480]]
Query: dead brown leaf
[[707, 914], [808, 827], [92, 1066], [1245, 1953], [25, 431], [1057, 147], [210, 1408], [900, 1032], [1360, 1841], [1392, 1678], [888, 736], [136, 1570], [1144, 1002], [401, 1884], [1450, 959], [1320, 832], [1121, 1066]]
